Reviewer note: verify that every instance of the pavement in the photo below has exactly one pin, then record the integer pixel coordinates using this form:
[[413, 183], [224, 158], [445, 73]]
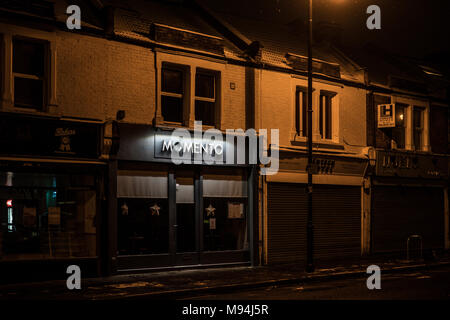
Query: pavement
[[196, 282]]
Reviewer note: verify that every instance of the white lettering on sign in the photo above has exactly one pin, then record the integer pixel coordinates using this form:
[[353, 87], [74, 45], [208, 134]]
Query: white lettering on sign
[[211, 147], [191, 147]]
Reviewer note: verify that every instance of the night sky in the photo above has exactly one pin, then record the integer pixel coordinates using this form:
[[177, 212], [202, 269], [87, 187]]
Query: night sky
[[415, 28]]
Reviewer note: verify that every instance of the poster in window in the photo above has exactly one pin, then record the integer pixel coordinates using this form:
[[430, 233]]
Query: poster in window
[[212, 223], [29, 217], [386, 116], [235, 210], [54, 216]]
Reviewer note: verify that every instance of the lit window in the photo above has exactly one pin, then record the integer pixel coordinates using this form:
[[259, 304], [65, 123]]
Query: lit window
[[398, 133]]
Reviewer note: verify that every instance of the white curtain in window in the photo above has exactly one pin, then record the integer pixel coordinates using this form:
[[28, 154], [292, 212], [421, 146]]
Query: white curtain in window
[[185, 193], [224, 188], [141, 187]]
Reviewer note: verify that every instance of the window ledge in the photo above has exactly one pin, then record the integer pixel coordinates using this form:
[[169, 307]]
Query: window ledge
[[319, 144], [177, 125], [409, 151], [30, 111]]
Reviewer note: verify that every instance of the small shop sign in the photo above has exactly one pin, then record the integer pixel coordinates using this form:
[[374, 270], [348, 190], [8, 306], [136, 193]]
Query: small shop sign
[[386, 116]]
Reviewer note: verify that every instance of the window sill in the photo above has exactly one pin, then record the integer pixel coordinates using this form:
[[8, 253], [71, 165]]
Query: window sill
[[411, 151], [30, 111], [321, 144], [178, 125]]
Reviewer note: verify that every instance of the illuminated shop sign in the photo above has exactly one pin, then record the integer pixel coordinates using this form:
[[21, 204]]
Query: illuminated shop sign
[[192, 147], [187, 147], [234, 147]]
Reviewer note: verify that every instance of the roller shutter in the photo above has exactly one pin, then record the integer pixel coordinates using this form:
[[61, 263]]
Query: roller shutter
[[399, 212], [286, 222], [336, 218], [337, 223]]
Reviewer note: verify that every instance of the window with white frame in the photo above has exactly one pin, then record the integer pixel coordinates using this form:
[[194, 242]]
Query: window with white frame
[[29, 73], [205, 97], [411, 131], [176, 84], [325, 114], [301, 111]]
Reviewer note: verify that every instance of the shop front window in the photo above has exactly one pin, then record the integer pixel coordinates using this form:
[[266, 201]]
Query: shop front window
[[143, 213], [46, 216], [225, 212]]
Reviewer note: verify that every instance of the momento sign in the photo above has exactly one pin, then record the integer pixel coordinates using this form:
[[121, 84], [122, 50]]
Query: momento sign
[[186, 147], [234, 147], [386, 115]]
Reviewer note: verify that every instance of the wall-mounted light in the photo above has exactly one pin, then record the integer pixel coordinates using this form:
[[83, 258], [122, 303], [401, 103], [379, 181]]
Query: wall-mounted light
[[120, 115]]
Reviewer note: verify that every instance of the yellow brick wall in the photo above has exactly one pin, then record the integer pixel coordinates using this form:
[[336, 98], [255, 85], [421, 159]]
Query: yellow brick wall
[[97, 77], [278, 103]]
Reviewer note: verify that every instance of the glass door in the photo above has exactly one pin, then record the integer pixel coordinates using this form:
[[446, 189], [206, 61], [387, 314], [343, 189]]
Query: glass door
[[185, 226]]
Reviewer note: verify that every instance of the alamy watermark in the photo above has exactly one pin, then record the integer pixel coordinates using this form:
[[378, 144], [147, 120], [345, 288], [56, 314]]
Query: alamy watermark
[[74, 280], [374, 20], [211, 147], [374, 281], [74, 20]]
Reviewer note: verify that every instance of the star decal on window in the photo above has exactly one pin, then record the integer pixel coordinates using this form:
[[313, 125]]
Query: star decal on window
[[210, 211], [155, 209]]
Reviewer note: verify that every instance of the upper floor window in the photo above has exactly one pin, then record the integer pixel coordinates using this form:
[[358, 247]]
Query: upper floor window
[[172, 93], [189, 93], [29, 72], [301, 111], [399, 132], [325, 114], [205, 97], [418, 127]]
